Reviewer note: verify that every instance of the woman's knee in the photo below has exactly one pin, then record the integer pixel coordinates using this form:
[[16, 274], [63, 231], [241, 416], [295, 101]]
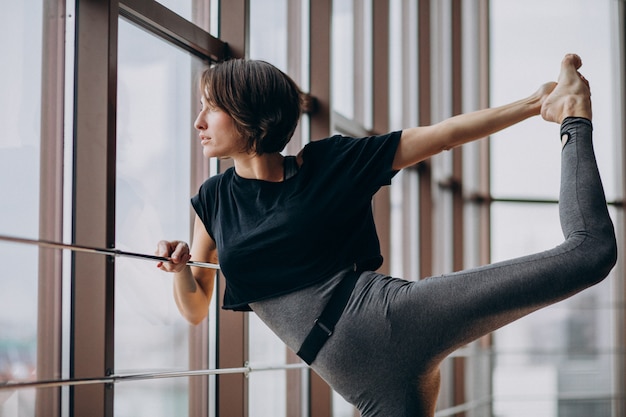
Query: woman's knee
[[597, 256], [607, 254]]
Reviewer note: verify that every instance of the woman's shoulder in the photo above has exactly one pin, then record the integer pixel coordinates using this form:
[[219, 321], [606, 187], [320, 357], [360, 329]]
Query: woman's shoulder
[[321, 146], [339, 150], [341, 141], [348, 145], [214, 181], [334, 140]]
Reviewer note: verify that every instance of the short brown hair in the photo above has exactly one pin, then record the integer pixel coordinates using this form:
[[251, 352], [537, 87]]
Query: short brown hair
[[264, 102]]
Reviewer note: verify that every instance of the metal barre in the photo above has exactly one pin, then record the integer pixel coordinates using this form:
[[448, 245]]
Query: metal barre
[[247, 369], [101, 251]]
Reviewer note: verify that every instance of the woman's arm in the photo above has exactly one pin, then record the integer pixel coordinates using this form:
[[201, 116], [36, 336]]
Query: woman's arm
[[193, 286], [419, 143]]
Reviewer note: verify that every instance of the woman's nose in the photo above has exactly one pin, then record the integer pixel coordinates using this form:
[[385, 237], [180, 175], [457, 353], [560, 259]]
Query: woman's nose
[[200, 123]]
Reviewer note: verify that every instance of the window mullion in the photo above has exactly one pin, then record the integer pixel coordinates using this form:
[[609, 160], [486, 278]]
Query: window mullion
[[94, 204], [51, 207]]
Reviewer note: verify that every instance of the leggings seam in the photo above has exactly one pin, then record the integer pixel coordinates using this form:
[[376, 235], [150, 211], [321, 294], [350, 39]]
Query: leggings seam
[[520, 260]]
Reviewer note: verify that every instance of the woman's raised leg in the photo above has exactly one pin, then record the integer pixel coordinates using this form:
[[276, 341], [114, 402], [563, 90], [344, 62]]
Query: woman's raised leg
[[468, 304]]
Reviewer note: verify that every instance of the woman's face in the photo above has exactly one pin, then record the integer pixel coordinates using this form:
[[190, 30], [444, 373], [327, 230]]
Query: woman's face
[[218, 134]]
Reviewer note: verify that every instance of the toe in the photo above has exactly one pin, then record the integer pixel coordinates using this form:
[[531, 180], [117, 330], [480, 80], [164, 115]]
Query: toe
[[572, 60]]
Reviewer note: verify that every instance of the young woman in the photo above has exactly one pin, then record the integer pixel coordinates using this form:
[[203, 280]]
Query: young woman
[[298, 246]]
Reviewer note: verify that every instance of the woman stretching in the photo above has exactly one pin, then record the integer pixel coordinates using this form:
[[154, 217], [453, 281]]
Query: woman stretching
[[297, 242]]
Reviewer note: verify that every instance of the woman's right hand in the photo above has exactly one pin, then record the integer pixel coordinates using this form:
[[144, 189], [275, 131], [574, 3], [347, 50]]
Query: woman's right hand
[[177, 251]]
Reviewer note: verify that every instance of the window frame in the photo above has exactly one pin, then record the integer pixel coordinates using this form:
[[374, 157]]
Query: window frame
[[91, 353]]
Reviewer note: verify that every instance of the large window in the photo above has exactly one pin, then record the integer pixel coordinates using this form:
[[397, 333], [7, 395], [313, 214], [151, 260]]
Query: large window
[[97, 147], [559, 361], [20, 115], [154, 178], [157, 101], [31, 161]]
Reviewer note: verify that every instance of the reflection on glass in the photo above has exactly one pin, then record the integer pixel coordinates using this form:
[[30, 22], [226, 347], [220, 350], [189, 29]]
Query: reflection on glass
[[20, 104], [154, 131]]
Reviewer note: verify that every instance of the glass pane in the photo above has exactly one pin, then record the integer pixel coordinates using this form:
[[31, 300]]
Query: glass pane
[[525, 158], [180, 7], [343, 58], [156, 88], [267, 390], [513, 234], [366, 93], [563, 351], [396, 67], [200, 12], [20, 103], [20, 114], [268, 32]]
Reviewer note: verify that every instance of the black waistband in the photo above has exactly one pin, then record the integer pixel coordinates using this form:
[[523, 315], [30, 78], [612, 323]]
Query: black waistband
[[324, 325]]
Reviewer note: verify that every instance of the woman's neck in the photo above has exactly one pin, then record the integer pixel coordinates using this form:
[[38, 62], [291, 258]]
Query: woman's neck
[[266, 167]]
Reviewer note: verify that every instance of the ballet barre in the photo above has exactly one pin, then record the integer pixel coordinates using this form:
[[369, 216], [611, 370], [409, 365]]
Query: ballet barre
[[116, 378], [101, 251]]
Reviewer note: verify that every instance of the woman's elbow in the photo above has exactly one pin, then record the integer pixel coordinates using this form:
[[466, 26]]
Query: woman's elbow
[[195, 318], [194, 314]]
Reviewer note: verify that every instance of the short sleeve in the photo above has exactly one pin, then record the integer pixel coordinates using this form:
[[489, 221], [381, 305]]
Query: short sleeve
[[363, 163], [204, 202]]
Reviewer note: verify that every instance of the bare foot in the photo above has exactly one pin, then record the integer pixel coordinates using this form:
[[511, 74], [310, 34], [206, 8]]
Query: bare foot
[[571, 97]]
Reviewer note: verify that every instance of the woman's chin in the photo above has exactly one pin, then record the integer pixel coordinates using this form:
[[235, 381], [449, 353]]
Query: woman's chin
[[209, 153]]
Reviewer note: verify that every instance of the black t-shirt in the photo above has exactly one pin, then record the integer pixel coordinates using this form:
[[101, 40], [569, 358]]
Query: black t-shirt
[[276, 237]]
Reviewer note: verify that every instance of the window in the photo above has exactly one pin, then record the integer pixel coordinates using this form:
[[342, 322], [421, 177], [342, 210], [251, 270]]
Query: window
[[558, 361], [157, 103], [351, 63], [20, 149], [122, 164], [31, 163]]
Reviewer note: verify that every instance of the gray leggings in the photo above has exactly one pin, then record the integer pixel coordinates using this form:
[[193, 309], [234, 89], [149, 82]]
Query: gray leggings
[[393, 331]]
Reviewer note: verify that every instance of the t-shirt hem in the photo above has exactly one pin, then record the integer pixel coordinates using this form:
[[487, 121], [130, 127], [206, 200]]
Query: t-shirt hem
[[245, 306]]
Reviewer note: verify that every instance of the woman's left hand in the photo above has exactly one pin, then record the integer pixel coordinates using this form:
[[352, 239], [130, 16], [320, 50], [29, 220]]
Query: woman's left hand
[[177, 251]]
